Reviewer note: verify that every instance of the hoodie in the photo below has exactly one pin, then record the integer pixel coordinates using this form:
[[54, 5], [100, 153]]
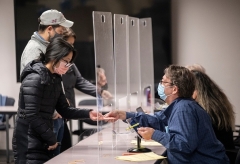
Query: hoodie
[[36, 45]]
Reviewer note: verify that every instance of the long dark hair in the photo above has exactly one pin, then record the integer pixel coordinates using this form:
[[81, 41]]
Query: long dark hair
[[56, 50], [211, 97]]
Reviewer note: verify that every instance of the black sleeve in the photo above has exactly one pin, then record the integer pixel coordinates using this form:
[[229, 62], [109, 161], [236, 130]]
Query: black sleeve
[[68, 112], [82, 84]]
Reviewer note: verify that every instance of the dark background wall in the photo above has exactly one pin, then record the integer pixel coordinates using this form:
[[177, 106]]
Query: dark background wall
[[80, 12]]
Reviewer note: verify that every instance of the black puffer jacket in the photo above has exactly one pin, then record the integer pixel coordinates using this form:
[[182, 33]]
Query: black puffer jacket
[[40, 94]]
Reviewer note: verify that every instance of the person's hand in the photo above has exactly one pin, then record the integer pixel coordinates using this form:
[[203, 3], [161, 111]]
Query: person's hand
[[146, 132], [114, 116], [53, 146], [111, 116], [56, 116], [95, 116], [106, 95]]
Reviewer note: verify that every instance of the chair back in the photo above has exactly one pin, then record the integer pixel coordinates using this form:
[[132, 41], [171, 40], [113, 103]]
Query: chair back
[[88, 102], [10, 101]]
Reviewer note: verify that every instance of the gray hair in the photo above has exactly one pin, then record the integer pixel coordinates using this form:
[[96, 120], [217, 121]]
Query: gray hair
[[196, 67]]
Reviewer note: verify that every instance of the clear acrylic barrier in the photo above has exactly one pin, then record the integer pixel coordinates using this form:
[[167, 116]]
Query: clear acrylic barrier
[[134, 64], [121, 60], [123, 71], [146, 58], [103, 47], [115, 136], [121, 41]]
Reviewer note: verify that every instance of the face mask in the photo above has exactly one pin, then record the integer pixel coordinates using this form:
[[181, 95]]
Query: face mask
[[161, 93], [61, 69], [55, 36]]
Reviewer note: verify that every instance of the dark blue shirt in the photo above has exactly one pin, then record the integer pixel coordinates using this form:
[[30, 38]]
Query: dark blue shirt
[[185, 129]]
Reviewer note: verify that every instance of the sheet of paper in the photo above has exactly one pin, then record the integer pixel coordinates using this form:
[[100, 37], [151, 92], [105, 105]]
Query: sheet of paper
[[147, 143], [140, 157]]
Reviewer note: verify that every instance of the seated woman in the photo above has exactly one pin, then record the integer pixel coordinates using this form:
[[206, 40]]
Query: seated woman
[[211, 97]]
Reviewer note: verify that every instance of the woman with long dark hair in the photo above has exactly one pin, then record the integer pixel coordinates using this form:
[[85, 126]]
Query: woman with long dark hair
[[211, 97]]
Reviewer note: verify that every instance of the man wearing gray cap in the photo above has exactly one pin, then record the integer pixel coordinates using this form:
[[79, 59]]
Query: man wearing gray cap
[[51, 24]]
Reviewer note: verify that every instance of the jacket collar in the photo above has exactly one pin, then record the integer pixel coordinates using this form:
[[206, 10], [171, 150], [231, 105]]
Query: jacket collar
[[38, 38], [38, 67]]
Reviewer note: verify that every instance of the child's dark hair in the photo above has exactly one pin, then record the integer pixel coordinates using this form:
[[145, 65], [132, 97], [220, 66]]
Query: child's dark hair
[[56, 50]]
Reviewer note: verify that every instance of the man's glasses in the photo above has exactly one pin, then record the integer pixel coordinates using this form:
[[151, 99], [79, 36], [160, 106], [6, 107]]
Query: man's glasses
[[67, 63], [163, 82]]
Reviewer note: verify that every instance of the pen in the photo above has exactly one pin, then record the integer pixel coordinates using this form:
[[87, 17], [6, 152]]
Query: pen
[[130, 127]]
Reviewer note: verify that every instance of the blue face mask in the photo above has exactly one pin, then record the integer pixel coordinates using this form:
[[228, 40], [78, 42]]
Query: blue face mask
[[161, 93]]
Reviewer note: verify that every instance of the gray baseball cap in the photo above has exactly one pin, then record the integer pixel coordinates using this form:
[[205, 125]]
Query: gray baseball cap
[[54, 17]]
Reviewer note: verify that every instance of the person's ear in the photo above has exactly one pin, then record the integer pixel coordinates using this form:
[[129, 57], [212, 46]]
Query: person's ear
[[194, 96], [175, 89], [49, 28]]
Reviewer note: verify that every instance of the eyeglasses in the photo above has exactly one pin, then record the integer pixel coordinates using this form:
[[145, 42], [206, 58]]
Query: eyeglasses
[[164, 82], [67, 63]]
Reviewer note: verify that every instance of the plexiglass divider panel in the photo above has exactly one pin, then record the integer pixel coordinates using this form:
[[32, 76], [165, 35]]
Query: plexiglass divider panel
[[103, 47], [121, 60], [122, 66], [121, 42], [146, 60], [134, 64]]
